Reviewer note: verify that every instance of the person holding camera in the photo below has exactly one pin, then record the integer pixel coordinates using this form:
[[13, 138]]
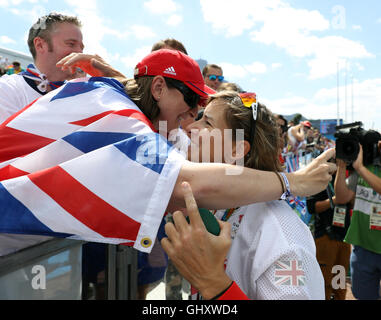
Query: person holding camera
[[331, 222], [364, 233]]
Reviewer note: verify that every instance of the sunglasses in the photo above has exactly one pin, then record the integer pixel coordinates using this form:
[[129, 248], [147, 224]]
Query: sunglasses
[[191, 98], [249, 100], [213, 77]]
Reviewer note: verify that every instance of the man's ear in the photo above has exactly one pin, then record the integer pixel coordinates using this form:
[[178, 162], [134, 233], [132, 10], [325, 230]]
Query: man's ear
[[40, 45], [240, 149], [157, 87]]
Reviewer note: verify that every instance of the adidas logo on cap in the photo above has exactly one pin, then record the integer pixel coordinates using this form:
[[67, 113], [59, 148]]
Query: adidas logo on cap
[[170, 70]]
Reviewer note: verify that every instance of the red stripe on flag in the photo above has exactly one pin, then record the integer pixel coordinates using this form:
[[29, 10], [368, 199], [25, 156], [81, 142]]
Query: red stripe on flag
[[9, 172], [124, 112], [15, 143], [13, 116], [84, 205], [136, 115], [87, 121]]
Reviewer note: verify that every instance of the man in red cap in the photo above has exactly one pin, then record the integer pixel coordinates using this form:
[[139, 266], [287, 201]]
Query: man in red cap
[[178, 71]]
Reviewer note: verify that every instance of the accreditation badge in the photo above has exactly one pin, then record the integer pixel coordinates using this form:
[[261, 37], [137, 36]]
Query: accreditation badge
[[375, 217], [339, 216]]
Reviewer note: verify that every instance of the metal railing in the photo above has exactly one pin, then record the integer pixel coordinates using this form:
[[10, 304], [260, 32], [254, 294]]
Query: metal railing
[[121, 268]]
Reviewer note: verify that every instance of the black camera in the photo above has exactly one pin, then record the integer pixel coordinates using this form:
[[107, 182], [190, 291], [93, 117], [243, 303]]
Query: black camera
[[349, 136]]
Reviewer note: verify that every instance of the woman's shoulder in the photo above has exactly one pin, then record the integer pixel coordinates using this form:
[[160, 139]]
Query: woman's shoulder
[[276, 221]]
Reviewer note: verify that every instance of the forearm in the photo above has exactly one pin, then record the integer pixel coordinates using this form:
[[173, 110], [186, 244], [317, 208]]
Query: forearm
[[220, 186], [321, 206], [373, 180], [215, 187], [342, 193]]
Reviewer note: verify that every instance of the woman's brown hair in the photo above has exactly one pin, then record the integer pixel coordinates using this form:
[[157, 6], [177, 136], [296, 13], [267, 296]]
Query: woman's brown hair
[[139, 91], [264, 152]]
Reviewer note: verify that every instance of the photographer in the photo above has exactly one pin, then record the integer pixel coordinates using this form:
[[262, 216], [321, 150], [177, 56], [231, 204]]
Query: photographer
[[330, 227], [364, 187]]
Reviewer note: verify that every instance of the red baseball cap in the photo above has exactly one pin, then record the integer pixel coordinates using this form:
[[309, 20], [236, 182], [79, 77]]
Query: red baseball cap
[[176, 65], [307, 124]]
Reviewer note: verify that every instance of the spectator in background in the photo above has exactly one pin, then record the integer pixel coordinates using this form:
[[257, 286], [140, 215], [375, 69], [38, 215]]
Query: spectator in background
[[296, 136], [15, 68], [51, 38], [3, 65], [169, 43], [213, 76], [282, 129], [364, 233], [330, 226]]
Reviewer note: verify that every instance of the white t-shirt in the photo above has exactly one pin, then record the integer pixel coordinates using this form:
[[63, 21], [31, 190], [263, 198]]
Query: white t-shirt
[[15, 94], [271, 245]]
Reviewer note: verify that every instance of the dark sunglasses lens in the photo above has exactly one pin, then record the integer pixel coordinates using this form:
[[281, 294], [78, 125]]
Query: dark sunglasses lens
[[220, 78], [212, 77], [190, 97]]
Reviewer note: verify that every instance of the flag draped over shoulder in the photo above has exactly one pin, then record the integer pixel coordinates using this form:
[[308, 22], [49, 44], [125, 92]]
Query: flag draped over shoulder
[[83, 162]]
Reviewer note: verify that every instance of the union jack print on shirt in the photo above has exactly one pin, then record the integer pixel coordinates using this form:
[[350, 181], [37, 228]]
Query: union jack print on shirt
[[289, 273]]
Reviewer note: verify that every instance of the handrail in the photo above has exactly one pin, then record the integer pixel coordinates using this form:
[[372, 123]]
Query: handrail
[[29, 255]]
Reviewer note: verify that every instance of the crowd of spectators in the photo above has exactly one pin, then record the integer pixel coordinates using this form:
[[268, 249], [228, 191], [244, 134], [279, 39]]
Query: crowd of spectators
[[7, 68]]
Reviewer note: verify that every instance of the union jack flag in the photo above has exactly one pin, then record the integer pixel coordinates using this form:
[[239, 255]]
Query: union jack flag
[[83, 162], [289, 273]]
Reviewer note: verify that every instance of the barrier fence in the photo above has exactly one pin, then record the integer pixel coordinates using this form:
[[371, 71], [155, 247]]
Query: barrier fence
[[294, 162], [52, 270]]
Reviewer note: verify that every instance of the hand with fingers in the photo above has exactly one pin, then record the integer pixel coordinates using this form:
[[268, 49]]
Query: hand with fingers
[[197, 254], [315, 177], [93, 65], [359, 162]]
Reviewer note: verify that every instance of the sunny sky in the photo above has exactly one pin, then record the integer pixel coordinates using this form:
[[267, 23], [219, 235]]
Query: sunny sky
[[287, 51]]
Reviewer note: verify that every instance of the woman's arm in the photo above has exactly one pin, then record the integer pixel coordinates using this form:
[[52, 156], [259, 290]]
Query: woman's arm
[[215, 187]]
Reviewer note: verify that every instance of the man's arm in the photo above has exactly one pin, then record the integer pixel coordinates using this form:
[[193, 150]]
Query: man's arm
[[324, 205], [373, 180], [342, 193], [93, 65]]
